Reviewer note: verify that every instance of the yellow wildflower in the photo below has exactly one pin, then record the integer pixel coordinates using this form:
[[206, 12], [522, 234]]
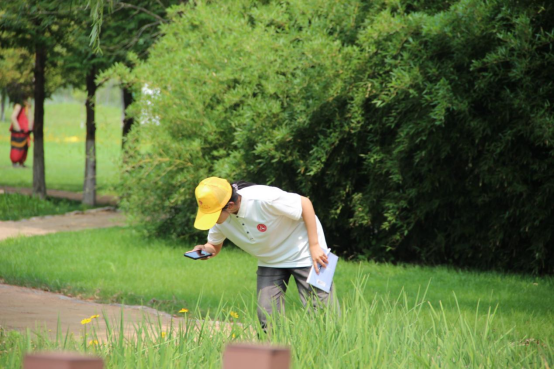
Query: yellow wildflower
[[234, 336], [234, 314], [85, 321], [163, 334], [71, 139], [93, 342], [183, 310], [94, 317]]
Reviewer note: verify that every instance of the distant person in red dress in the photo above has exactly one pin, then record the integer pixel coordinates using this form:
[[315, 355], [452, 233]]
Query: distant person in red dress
[[21, 128]]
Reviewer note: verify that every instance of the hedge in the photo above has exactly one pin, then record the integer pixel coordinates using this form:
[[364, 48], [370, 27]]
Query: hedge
[[422, 130]]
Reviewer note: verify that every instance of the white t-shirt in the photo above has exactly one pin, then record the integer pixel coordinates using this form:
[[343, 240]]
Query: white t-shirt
[[270, 227]]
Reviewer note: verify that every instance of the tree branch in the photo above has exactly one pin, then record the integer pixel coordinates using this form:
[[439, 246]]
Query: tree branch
[[144, 10], [137, 37]]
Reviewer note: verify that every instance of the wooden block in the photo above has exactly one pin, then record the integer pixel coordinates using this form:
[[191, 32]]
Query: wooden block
[[255, 356], [61, 360]]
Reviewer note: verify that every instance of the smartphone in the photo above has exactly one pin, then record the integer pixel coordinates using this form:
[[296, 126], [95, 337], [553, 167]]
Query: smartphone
[[197, 254]]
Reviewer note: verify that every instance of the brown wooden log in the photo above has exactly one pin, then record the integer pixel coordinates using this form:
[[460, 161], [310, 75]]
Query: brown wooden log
[[255, 356], [61, 360]]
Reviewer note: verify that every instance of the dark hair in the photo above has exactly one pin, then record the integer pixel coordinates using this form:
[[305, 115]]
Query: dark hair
[[238, 185]]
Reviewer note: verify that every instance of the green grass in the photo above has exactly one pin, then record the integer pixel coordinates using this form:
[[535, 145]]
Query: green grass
[[19, 206], [119, 265], [64, 148], [371, 332]]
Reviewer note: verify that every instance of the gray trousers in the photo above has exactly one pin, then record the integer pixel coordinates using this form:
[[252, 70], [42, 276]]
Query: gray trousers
[[272, 285]]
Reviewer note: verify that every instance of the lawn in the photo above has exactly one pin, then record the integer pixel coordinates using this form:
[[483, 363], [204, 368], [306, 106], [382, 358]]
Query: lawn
[[64, 149], [392, 316], [19, 206]]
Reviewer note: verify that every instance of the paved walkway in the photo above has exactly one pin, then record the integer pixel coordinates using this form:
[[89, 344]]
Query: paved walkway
[[45, 312], [42, 312], [107, 200]]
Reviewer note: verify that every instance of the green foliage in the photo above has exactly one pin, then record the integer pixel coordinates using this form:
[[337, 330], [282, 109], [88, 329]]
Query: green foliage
[[16, 74], [422, 130], [16, 68], [70, 30], [458, 160], [232, 86], [125, 28], [25, 26]]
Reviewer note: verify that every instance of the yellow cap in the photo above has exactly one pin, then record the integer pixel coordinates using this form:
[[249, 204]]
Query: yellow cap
[[212, 194]]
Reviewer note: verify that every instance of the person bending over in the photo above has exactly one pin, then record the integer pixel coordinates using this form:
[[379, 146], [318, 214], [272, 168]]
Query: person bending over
[[279, 228]]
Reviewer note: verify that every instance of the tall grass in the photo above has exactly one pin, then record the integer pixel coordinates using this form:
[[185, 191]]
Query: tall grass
[[369, 332]]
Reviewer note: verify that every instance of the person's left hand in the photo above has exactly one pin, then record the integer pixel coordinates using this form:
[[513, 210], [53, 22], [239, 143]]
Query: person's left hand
[[318, 257]]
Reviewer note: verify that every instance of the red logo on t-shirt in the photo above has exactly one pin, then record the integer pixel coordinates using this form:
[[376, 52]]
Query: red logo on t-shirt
[[262, 228]]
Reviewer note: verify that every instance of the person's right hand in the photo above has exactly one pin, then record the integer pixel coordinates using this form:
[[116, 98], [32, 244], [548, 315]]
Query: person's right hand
[[204, 247]]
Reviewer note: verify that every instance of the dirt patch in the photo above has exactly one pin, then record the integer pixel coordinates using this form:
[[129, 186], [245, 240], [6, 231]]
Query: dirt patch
[[78, 220]]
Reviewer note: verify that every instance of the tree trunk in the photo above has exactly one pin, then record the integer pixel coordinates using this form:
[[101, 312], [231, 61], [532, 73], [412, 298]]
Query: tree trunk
[[127, 121], [39, 179], [89, 188], [3, 104]]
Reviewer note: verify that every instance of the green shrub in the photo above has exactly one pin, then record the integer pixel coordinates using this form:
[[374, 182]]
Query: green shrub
[[457, 136], [422, 130]]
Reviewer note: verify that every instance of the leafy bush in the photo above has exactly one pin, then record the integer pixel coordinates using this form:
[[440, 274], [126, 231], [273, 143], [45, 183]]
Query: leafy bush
[[422, 130]]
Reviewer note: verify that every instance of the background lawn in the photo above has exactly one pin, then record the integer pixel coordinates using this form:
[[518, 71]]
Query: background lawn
[[120, 265], [64, 148], [19, 206]]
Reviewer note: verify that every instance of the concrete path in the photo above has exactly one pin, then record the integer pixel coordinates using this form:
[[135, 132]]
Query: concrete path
[[42, 312], [45, 312]]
